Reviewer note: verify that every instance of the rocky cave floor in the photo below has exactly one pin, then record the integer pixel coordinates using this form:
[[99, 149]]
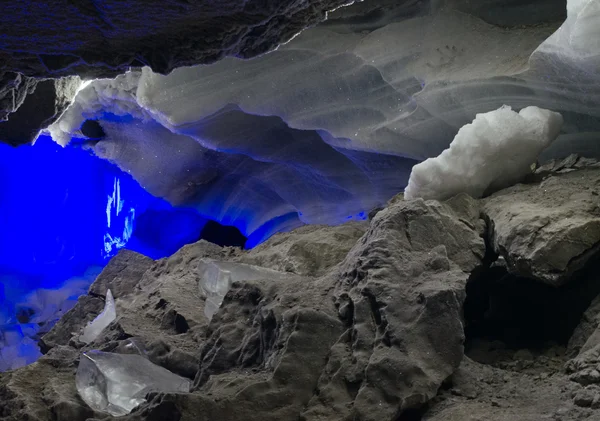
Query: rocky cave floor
[[458, 310]]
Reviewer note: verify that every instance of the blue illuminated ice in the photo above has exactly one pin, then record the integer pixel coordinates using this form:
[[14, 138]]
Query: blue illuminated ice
[[496, 150], [101, 322]]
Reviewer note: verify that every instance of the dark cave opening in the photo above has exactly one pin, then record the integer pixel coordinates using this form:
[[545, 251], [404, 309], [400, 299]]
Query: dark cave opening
[[521, 313], [223, 235], [92, 129]]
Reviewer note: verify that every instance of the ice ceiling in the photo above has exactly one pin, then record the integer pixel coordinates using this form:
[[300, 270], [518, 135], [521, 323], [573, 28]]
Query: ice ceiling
[[321, 130], [329, 125]]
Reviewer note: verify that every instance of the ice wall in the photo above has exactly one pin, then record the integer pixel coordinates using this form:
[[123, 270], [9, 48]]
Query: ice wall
[[330, 124], [250, 171]]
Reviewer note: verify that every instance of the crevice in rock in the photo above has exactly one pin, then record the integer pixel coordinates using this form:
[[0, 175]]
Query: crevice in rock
[[412, 414], [181, 324], [511, 312], [375, 308]]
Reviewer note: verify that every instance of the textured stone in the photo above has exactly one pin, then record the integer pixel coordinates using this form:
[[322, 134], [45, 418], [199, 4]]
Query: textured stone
[[270, 351], [373, 337], [401, 293], [310, 250], [30, 105], [121, 274], [86, 309], [547, 231]]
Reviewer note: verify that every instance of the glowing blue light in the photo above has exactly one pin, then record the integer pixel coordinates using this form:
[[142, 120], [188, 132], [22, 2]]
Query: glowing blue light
[[63, 213], [112, 243]]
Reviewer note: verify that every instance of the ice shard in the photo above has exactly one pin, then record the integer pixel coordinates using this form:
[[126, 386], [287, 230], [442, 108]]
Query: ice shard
[[117, 383], [216, 279], [96, 326]]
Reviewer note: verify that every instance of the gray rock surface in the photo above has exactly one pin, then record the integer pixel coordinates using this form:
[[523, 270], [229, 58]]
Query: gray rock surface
[[122, 274], [400, 293], [28, 105], [377, 334], [547, 231], [582, 340], [507, 393], [310, 250]]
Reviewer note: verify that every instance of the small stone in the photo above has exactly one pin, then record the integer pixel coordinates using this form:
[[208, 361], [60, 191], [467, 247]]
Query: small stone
[[586, 376], [585, 397]]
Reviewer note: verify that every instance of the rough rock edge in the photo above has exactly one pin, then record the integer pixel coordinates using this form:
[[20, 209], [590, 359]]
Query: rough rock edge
[[548, 229]]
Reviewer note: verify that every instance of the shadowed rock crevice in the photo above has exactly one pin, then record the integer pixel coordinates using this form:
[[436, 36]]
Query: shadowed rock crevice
[[524, 313]]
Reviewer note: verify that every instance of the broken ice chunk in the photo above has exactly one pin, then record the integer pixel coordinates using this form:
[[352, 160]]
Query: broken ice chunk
[[216, 279], [117, 383], [96, 326]]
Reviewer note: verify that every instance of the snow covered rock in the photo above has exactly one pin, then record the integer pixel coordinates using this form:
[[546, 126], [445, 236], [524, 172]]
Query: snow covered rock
[[495, 151]]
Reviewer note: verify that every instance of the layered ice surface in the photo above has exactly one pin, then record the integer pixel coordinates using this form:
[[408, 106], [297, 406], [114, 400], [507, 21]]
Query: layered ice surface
[[117, 383], [216, 278], [329, 125]]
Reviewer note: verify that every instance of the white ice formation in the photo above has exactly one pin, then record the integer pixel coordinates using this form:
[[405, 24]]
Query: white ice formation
[[330, 124], [101, 322], [117, 383], [215, 279], [495, 151]]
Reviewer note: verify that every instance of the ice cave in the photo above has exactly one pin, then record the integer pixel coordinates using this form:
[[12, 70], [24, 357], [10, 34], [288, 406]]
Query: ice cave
[[316, 210]]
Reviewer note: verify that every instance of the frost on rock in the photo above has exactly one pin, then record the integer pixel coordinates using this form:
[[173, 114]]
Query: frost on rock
[[216, 279], [117, 383], [495, 151], [96, 326]]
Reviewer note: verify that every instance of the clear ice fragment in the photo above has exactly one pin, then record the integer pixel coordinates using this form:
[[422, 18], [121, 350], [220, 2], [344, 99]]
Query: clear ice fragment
[[117, 383], [96, 326], [216, 279]]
